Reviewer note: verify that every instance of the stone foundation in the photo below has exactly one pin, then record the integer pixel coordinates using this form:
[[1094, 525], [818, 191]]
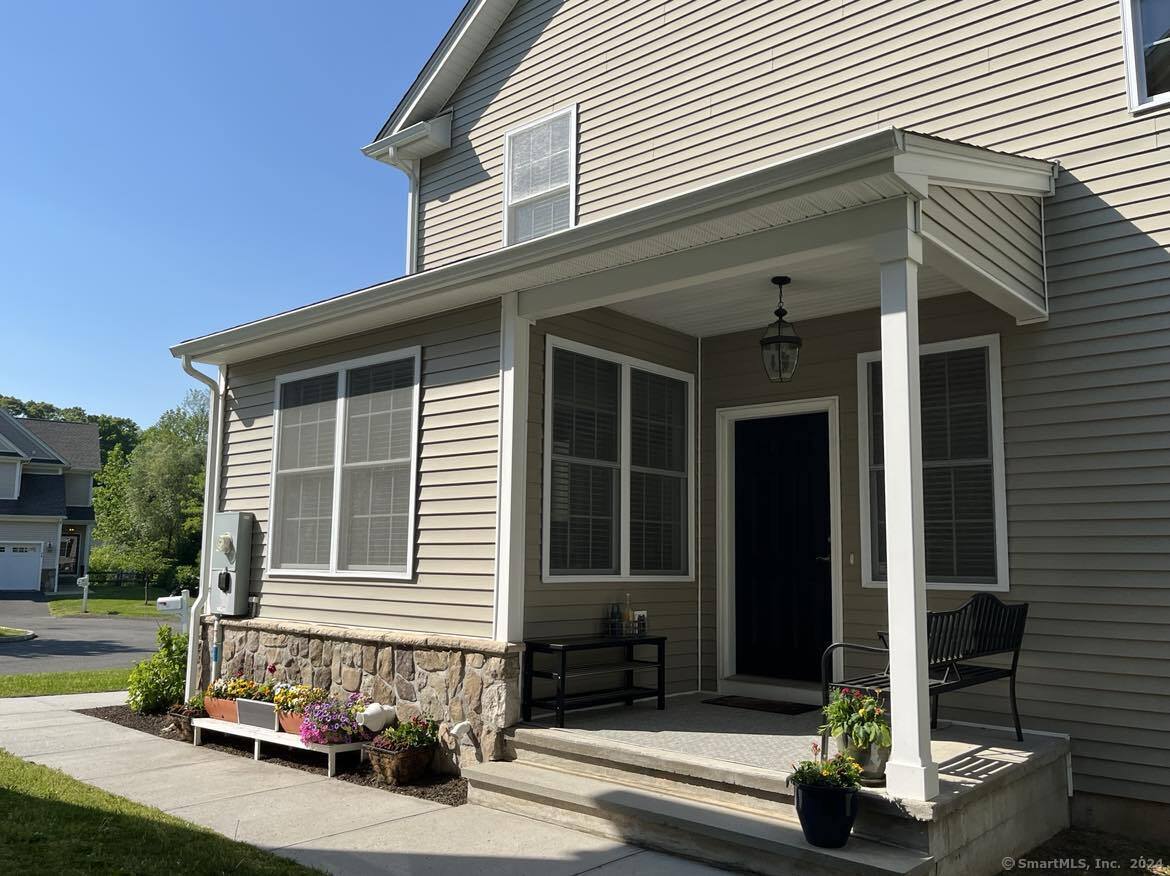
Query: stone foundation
[[445, 678]]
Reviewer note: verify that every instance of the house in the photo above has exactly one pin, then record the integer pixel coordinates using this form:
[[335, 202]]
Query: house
[[46, 501], [562, 403]]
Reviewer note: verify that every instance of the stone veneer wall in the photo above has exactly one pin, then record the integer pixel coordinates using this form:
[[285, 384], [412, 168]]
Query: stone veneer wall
[[442, 677]]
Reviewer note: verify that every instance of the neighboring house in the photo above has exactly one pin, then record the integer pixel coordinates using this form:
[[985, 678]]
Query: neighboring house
[[563, 401], [46, 501]]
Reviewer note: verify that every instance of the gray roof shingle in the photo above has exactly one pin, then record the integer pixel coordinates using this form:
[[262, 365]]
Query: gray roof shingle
[[41, 495], [78, 444], [30, 446]]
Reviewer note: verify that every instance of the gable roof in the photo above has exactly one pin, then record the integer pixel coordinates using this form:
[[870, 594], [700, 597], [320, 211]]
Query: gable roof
[[78, 444], [8, 449], [449, 63], [32, 447]]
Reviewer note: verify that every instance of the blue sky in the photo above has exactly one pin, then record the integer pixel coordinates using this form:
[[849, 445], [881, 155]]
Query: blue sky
[[169, 169]]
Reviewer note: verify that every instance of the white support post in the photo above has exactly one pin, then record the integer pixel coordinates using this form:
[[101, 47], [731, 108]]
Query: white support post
[[910, 773], [513, 469]]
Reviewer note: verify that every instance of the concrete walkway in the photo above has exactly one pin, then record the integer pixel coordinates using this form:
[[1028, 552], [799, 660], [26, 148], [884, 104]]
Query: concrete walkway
[[325, 823]]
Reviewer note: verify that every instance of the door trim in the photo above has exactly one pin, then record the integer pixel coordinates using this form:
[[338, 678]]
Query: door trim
[[725, 420]]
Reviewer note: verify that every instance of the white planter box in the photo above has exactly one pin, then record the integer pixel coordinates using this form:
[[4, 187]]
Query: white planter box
[[255, 713]]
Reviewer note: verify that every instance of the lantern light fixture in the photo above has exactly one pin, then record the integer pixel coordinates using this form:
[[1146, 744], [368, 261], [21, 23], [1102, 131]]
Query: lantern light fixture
[[780, 345]]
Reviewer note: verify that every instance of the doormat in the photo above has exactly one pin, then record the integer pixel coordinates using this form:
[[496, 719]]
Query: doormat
[[776, 707]]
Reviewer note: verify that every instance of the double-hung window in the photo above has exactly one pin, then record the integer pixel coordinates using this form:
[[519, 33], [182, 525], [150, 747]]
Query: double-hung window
[[1147, 47], [618, 461], [964, 504], [344, 468], [540, 170]]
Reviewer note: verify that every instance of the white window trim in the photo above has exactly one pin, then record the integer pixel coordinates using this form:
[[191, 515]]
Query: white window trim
[[995, 387], [624, 574], [1135, 66], [571, 110], [333, 571]]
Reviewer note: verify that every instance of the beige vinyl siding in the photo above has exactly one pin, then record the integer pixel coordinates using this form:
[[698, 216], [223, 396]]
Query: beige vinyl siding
[[674, 96], [564, 607], [1000, 234], [452, 587], [1088, 473]]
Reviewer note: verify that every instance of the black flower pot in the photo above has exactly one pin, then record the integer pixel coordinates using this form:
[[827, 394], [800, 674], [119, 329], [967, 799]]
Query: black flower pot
[[826, 814]]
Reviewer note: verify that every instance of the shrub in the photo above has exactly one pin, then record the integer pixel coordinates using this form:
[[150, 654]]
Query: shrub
[[418, 732], [157, 682], [108, 559], [187, 578]]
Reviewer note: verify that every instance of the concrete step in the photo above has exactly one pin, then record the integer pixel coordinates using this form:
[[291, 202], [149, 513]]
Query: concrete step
[[742, 840], [749, 789]]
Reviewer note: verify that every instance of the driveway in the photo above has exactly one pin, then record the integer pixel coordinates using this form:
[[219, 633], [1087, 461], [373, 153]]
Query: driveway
[[64, 644], [333, 825]]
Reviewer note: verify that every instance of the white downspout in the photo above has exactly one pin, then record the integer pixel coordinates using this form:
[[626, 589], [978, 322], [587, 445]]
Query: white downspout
[[210, 503], [410, 167]]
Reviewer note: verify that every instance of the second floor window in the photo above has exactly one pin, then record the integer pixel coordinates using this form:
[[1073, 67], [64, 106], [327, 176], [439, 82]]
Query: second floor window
[[1148, 41], [540, 177]]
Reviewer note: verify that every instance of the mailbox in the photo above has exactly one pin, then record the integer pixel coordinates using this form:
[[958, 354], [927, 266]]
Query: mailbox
[[231, 563]]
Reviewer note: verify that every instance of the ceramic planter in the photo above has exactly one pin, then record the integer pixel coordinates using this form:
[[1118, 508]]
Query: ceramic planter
[[256, 713], [223, 710], [826, 814], [872, 760], [399, 767], [182, 722], [290, 722]]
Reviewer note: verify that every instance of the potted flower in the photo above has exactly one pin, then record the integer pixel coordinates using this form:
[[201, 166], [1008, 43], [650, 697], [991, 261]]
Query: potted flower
[[182, 713], [826, 798], [401, 754], [220, 697], [861, 726], [333, 722], [291, 700]]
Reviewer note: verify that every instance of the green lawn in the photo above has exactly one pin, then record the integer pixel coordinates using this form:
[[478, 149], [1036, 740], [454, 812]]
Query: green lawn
[[109, 599], [45, 684], [66, 826]]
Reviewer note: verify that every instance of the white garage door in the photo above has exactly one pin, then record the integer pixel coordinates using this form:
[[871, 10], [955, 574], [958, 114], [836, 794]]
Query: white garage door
[[20, 565]]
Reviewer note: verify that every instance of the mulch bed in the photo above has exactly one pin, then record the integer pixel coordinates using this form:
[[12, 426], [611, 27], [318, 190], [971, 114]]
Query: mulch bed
[[448, 790]]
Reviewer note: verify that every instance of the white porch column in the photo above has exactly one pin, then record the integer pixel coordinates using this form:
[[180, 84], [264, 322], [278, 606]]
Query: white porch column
[[513, 468], [910, 772]]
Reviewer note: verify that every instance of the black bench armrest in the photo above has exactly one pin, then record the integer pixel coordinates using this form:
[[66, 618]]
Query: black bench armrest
[[827, 663]]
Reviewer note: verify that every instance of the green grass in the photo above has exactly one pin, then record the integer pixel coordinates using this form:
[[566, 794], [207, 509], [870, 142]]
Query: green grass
[[66, 826], [111, 600], [11, 631], [45, 684]]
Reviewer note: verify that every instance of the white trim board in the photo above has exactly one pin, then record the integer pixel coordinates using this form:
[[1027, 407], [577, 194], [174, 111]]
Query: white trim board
[[627, 362], [725, 420], [333, 571], [995, 389]]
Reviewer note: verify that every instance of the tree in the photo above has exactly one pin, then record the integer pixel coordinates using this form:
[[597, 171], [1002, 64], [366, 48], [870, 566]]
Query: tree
[[112, 431]]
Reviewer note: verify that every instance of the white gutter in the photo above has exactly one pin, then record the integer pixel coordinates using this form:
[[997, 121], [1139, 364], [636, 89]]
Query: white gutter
[[210, 503]]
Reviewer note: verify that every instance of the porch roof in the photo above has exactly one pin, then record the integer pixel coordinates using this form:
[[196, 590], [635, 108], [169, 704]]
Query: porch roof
[[852, 190]]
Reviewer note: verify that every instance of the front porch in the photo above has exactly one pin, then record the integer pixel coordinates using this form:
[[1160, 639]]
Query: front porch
[[709, 779]]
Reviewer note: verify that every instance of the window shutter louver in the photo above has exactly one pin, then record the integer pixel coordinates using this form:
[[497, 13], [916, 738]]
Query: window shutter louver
[[957, 472]]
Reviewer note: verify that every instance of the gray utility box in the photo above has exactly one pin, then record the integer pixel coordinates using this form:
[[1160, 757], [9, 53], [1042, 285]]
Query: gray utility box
[[231, 562]]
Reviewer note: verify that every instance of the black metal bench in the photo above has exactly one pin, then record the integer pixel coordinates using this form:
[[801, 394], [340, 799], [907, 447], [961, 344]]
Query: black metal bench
[[981, 627]]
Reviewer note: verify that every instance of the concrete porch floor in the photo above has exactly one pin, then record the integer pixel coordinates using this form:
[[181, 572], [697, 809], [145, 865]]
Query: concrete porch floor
[[969, 758]]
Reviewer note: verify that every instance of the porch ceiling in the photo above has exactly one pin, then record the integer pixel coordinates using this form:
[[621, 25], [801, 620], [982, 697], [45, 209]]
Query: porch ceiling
[[823, 284]]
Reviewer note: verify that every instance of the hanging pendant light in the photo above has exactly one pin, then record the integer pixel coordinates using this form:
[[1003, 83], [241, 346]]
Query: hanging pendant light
[[780, 345]]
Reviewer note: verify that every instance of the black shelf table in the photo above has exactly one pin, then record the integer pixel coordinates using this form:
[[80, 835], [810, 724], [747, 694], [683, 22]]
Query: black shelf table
[[561, 672]]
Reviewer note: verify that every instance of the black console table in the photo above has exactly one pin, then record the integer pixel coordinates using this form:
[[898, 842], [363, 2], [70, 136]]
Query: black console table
[[561, 672]]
